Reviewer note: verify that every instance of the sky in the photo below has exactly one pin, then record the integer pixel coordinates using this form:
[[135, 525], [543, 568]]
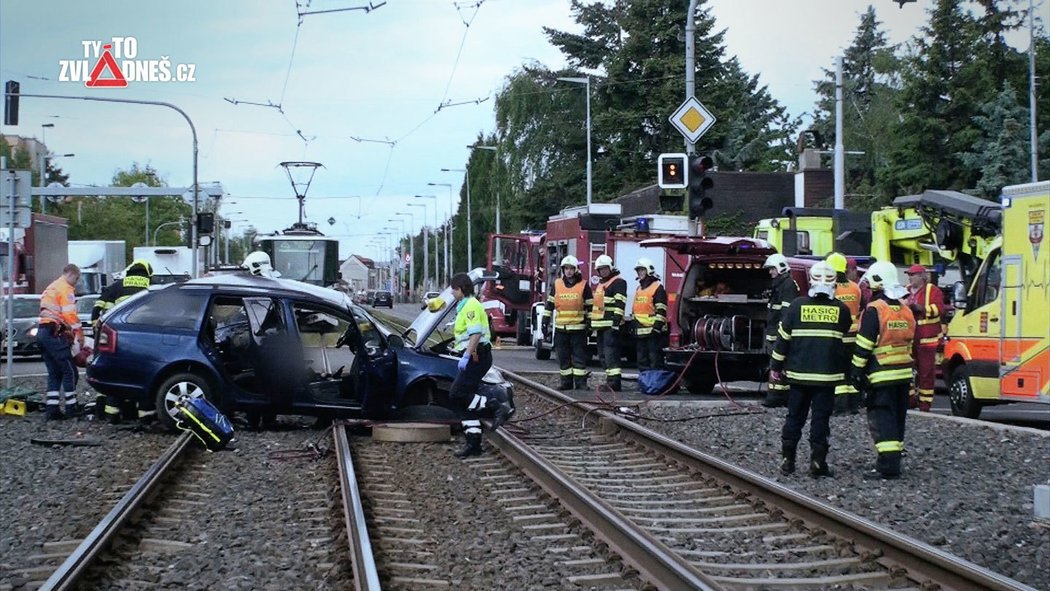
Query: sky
[[358, 90]]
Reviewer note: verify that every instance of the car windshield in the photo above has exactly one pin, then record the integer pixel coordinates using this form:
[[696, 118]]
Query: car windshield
[[26, 308], [85, 304]]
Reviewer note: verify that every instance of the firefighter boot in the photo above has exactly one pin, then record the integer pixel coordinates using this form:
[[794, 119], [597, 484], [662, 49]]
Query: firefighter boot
[[501, 412], [787, 457], [471, 446], [614, 383], [52, 411], [818, 462], [566, 383], [581, 383]]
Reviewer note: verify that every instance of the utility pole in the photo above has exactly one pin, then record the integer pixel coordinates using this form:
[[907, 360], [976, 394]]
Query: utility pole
[[1033, 138], [840, 150], [690, 61]]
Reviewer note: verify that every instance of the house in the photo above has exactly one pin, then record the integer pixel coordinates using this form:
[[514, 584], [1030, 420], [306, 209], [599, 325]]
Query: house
[[358, 272]]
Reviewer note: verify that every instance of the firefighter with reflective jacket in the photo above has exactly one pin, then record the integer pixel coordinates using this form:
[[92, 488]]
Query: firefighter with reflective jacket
[[847, 398], [882, 365], [649, 310], [57, 327], [783, 291], [610, 299], [570, 297], [136, 279], [808, 353], [927, 304]]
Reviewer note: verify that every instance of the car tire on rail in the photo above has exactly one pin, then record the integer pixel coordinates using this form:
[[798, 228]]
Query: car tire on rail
[[184, 383], [960, 394]]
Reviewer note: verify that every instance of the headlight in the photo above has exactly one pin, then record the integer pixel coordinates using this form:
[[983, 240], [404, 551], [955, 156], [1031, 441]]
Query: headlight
[[32, 332], [493, 376]]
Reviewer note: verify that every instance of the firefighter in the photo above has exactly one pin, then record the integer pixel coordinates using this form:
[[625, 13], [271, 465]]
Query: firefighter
[[927, 304], [649, 310], [784, 290], [58, 326], [809, 356], [847, 398], [610, 299], [136, 279], [882, 363], [258, 263], [570, 296], [473, 340]]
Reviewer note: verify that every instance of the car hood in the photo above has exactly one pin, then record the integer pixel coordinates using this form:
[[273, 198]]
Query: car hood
[[428, 321]]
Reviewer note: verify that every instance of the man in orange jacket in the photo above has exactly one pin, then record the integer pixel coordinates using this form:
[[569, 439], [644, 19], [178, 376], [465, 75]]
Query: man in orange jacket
[[58, 326], [927, 304]]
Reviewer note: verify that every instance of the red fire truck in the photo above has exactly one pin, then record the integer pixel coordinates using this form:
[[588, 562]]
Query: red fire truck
[[517, 261]]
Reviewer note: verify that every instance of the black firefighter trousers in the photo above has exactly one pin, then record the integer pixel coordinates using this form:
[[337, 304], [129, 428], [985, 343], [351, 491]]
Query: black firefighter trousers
[[801, 399], [571, 346], [887, 411]]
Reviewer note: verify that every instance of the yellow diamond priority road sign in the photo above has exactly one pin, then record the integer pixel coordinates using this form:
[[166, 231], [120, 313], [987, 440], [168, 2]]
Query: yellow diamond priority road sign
[[692, 119]]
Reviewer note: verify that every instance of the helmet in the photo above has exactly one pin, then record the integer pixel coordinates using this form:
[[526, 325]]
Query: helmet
[[778, 262], [882, 275], [569, 261], [837, 262], [822, 273], [603, 261], [258, 264], [644, 263], [139, 267]]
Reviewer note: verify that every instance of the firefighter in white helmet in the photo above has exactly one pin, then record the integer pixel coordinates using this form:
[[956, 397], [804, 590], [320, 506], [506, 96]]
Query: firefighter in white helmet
[[882, 365], [783, 291], [258, 263], [649, 312], [569, 301], [610, 299], [809, 354]]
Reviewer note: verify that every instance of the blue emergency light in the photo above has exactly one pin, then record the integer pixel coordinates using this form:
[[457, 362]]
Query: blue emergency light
[[641, 225]]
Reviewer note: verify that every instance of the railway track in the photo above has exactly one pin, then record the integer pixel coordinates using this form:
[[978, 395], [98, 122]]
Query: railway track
[[687, 520]]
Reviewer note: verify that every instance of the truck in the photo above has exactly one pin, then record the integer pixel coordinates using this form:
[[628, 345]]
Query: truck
[[170, 263], [516, 260], [997, 345], [98, 260], [39, 254], [816, 232]]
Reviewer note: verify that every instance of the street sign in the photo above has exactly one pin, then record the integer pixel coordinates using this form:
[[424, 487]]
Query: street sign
[[15, 190], [692, 119]]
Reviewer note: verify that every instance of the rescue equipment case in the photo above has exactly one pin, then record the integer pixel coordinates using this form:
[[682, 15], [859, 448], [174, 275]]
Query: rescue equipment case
[[200, 417]]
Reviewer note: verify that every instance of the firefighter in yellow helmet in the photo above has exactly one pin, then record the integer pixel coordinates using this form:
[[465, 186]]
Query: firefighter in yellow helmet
[[847, 398], [569, 301], [882, 365], [649, 311], [136, 280], [610, 299], [809, 353]]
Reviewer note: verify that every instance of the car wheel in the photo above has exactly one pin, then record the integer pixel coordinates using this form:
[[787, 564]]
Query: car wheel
[[960, 393], [699, 385], [180, 384], [543, 354]]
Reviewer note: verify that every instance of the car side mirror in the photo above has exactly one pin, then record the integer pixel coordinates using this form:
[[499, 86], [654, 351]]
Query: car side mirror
[[959, 295], [395, 342]]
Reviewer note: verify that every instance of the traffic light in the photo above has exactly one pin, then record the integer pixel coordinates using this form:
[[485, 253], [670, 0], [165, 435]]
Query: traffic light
[[11, 89], [672, 172], [699, 183], [205, 223], [226, 224]]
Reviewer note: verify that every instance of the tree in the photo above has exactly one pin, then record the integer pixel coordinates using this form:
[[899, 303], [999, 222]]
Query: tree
[[1002, 153]]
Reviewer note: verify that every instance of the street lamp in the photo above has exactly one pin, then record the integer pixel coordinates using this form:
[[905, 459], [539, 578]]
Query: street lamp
[[437, 275], [449, 244], [400, 257], [470, 241], [586, 81], [157, 229], [426, 243]]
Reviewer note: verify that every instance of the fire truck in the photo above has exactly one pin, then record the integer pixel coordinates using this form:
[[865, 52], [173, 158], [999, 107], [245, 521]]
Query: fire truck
[[517, 262], [588, 233], [40, 253], [997, 347]]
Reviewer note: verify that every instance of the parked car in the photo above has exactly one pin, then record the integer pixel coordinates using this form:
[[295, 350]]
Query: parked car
[[84, 305], [383, 299], [276, 346], [26, 315]]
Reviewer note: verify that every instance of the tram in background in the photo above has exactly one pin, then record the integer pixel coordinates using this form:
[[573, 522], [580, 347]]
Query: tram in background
[[303, 253]]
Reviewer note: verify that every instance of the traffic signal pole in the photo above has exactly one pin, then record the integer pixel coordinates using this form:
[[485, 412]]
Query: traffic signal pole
[[690, 59]]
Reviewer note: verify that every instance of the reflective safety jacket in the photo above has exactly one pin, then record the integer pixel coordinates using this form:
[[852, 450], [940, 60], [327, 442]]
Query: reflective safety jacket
[[884, 343], [610, 300], [58, 305], [785, 290], [118, 292], [572, 300], [849, 293], [650, 307], [809, 347], [930, 300], [471, 319]]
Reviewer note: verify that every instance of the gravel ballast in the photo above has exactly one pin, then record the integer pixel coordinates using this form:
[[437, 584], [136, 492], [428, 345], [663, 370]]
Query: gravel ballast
[[966, 488]]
